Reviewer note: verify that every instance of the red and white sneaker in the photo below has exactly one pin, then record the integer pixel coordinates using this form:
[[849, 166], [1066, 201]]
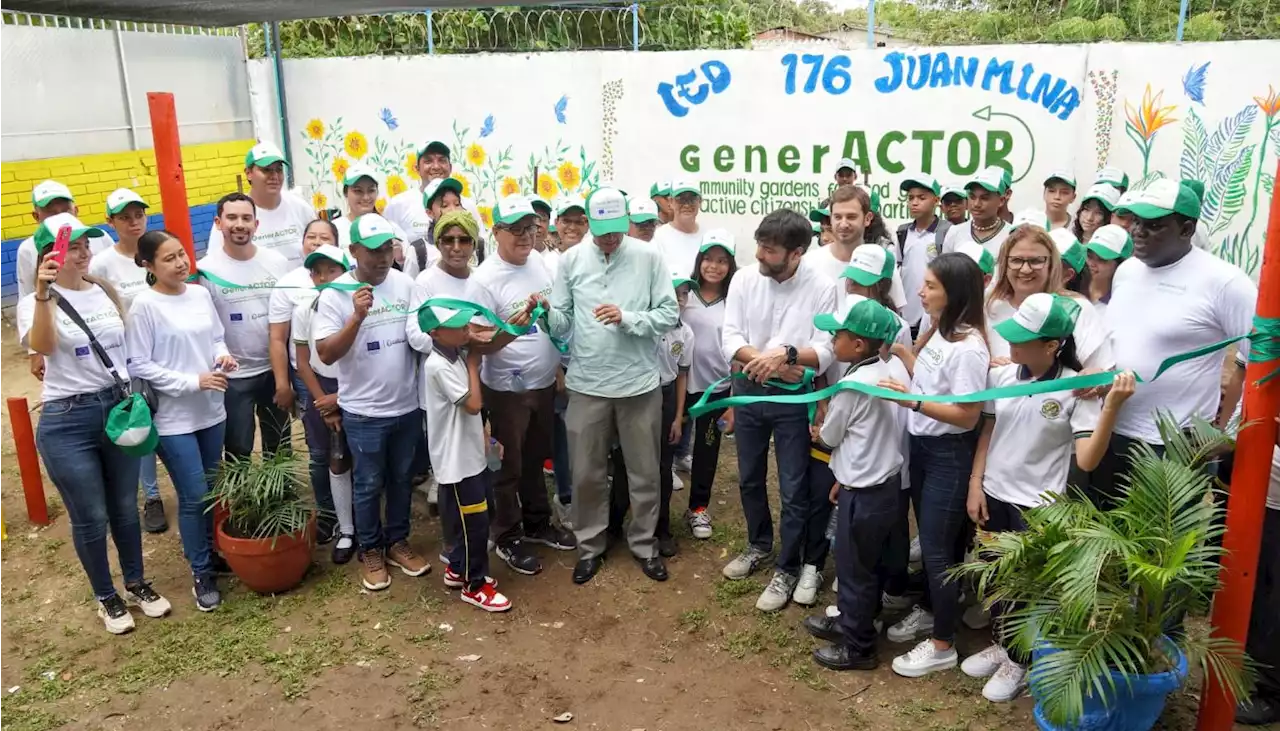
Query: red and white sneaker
[[457, 581], [487, 598]]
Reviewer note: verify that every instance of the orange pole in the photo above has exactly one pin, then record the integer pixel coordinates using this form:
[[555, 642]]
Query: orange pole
[[173, 182], [24, 439], [1247, 504]]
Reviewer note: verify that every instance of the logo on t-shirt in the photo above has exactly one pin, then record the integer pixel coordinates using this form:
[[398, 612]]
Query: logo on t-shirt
[[82, 351], [677, 347], [237, 317], [1051, 409], [373, 346], [933, 355]]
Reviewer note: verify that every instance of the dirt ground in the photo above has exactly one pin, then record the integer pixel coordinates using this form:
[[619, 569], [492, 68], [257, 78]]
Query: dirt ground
[[622, 653]]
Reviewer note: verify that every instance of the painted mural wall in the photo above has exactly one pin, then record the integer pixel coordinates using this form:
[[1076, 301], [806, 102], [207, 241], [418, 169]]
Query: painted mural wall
[[759, 130]]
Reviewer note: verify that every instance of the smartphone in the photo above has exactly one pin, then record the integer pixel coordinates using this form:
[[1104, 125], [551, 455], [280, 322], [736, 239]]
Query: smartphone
[[61, 244]]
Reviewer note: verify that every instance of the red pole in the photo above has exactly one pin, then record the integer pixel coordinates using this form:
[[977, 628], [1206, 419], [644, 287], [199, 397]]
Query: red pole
[[1247, 504], [173, 183], [24, 439]]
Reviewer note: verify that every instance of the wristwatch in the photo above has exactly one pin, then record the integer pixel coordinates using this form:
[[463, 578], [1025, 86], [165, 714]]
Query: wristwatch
[[792, 354]]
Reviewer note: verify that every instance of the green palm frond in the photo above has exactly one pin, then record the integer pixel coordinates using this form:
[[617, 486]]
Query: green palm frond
[[266, 497]]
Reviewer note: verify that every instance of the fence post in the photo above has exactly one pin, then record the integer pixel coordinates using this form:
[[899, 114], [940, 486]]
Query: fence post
[[285, 145], [127, 88], [1182, 18], [871, 23], [635, 26], [169, 174], [24, 440], [431, 33]]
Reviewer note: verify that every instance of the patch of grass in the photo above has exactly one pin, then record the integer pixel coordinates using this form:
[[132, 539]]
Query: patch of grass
[[433, 637], [424, 697], [331, 583], [692, 621], [429, 600], [804, 672], [305, 658], [916, 708], [854, 720], [744, 642], [49, 548], [19, 717], [728, 592]]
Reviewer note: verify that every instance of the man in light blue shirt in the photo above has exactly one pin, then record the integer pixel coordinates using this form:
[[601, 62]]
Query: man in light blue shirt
[[615, 295]]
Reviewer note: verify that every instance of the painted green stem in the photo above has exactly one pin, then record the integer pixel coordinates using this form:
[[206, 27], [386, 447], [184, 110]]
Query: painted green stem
[[1257, 178]]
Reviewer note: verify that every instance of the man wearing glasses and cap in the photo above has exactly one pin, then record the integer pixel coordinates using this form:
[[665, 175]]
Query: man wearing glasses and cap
[[680, 239], [282, 215]]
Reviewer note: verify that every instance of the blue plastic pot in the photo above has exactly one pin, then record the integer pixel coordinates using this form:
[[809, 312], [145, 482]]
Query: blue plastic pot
[[1134, 705]]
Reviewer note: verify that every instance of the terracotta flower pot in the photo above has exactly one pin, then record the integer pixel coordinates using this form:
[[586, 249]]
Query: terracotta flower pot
[[220, 513], [267, 568]]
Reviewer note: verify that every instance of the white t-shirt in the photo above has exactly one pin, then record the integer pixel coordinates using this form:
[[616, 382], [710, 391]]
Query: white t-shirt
[[280, 229], [919, 248], [406, 211], [27, 257], [455, 439], [375, 377], [825, 260], [171, 340], [945, 367], [764, 313], [436, 282], [293, 292], [244, 309], [1158, 312], [708, 364], [1093, 342], [1030, 450], [302, 332], [1273, 492], [680, 249], [73, 368], [505, 289], [121, 272], [551, 259], [863, 431], [675, 349], [957, 235]]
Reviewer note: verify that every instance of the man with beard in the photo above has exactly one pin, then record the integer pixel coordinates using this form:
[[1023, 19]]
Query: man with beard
[[851, 214], [282, 216], [407, 209], [364, 333], [240, 276]]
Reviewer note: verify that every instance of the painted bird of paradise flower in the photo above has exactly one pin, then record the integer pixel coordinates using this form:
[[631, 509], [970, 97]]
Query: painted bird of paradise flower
[[340, 167], [475, 154], [546, 186], [315, 129], [509, 187], [1269, 105], [570, 176], [1142, 123], [395, 185], [356, 145]]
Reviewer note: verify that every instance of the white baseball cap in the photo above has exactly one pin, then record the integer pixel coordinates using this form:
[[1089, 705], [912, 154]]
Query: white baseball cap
[[1111, 242], [49, 191], [846, 162], [869, 265], [983, 258], [355, 172], [121, 197], [1033, 217], [263, 154], [1107, 196], [1061, 175], [607, 212], [642, 210], [718, 237], [511, 209]]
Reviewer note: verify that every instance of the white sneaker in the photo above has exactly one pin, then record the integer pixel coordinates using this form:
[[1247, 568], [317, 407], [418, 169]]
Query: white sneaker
[[432, 488], [976, 617], [115, 615], [835, 585], [893, 603], [776, 595], [677, 484], [985, 663], [923, 659], [915, 556], [833, 611], [699, 524], [745, 563], [684, 464], [145, 598], [806, 592], [1008, 683], [913, 626]]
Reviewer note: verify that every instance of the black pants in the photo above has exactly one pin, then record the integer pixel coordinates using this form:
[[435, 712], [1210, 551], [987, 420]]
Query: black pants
[[620, 497], [468, 532], [864, 523], [245, 398], [523, 423], [706, 450], [816, 545], [897, 555], [1264, 622], [1001, 517]]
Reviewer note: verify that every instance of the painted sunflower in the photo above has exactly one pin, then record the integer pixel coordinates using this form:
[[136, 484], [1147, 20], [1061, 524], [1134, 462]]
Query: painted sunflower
[[475, 154], [546, 186], [486, 216], [315, 129], [466, 184], [340, 167], [411, 164], [356, 144], [319, 201], [570, 176], [395, 185], [509, 187]]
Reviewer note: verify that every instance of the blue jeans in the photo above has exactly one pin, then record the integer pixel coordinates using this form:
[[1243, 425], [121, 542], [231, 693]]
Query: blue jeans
[[940, 468], [788, 424], [192, 461], [382, 452], [98, 484], [246, 397], [319, 443], [150, 483], [560, 453]]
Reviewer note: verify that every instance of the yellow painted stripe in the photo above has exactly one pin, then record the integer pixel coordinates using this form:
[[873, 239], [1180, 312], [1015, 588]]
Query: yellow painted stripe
[[479, 507], [819, 455]]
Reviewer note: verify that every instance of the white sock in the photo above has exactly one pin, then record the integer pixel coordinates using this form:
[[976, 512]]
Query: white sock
[[340, 486]]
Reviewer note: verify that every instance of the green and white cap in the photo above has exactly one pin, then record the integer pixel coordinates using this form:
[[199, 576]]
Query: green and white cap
[[607, 212], [718, 237], [1069, 248], [1041, 316], [661, 188], [817, 227], [1107, 196], [438, 187], [921, 181], [990, 178], [869, 265], [430, 318], [121, 197], [817, 214], [1111, 242], [355, 172], [679, 280], [566, 203], [1114, 177], [130, 428], [1032, 217], [874, 196], [846, 162], [512, 209], [860, 316], [49, 191], [371, 231], [642, 210], [684, 186], [538, 202], [1161, 198], [330, 252], [1062, 176], [953, 189], [983, 258], [263, 154], [439, 147], [47, 232]]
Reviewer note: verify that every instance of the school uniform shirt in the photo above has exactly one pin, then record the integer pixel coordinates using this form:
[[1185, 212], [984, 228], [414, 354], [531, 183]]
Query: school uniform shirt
[[120, 272], [1031, 444], [1093, 342], [376, 376], [27, 257], [280, 229], [824, 260], [1159, 312], [707, 363], [531, 360], [680, 249], [302, 332], [918, 249], [73, 368], [957, 235], [245, 308], [675, 349], [945, 367], [862, 430], [898, 372], [436, 282], [293, 292], [764, 314], [455, 439], [171, 340]]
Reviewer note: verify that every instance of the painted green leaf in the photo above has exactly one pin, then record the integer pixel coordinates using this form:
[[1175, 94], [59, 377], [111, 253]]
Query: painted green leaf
[[1268, 183], [1234, 192], [1191, 164]]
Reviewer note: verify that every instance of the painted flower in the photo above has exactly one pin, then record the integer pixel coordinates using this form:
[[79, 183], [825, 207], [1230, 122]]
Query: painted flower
[[546, 186], [315, 129], [1148, 118], [356, 144], [380, 205], [340, 167], [395, 185], [1270, 104], [319, 201], [570, 176], [486, 216], [475, 154], [411, 164], [509, 187], [466, 184]]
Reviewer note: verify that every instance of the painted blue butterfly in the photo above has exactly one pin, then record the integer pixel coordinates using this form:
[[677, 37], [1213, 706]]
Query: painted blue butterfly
[[486, 129], [1193, 82], [388, 119], [560, 107]]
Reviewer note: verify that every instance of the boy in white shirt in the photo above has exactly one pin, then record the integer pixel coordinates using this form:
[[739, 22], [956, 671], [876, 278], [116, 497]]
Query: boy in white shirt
[[1059, 194], [989, 194]]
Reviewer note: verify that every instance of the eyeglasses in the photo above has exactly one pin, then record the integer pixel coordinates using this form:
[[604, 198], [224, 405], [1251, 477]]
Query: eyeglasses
[[687, 199], [520, 229], [456, 241], [1034, 263]]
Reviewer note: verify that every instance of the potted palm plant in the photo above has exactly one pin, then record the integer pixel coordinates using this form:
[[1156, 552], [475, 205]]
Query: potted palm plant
[[1098, 598], [268, 528]]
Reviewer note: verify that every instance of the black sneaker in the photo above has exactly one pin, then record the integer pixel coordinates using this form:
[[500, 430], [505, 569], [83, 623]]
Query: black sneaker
[[326, 530], [219, 565], [824, 628], [153, 520], [343, 553], [518, 558], [843, 657], [206, 593], [1257, 712], [553, 536]]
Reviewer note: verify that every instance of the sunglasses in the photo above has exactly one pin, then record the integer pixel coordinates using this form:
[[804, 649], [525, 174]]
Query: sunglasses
[[456, 240]]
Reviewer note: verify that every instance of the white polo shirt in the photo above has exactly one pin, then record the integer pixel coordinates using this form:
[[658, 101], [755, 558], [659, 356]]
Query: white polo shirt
[[280, 229], [707, 362], [530, 360], [455, 439], [862, 431], [945, 367], [1093, 342], [675, 353], [680, 249], [764, 313], [245, 308]]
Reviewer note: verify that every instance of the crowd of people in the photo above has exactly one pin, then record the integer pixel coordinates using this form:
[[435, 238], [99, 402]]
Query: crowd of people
[[571, 337]]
